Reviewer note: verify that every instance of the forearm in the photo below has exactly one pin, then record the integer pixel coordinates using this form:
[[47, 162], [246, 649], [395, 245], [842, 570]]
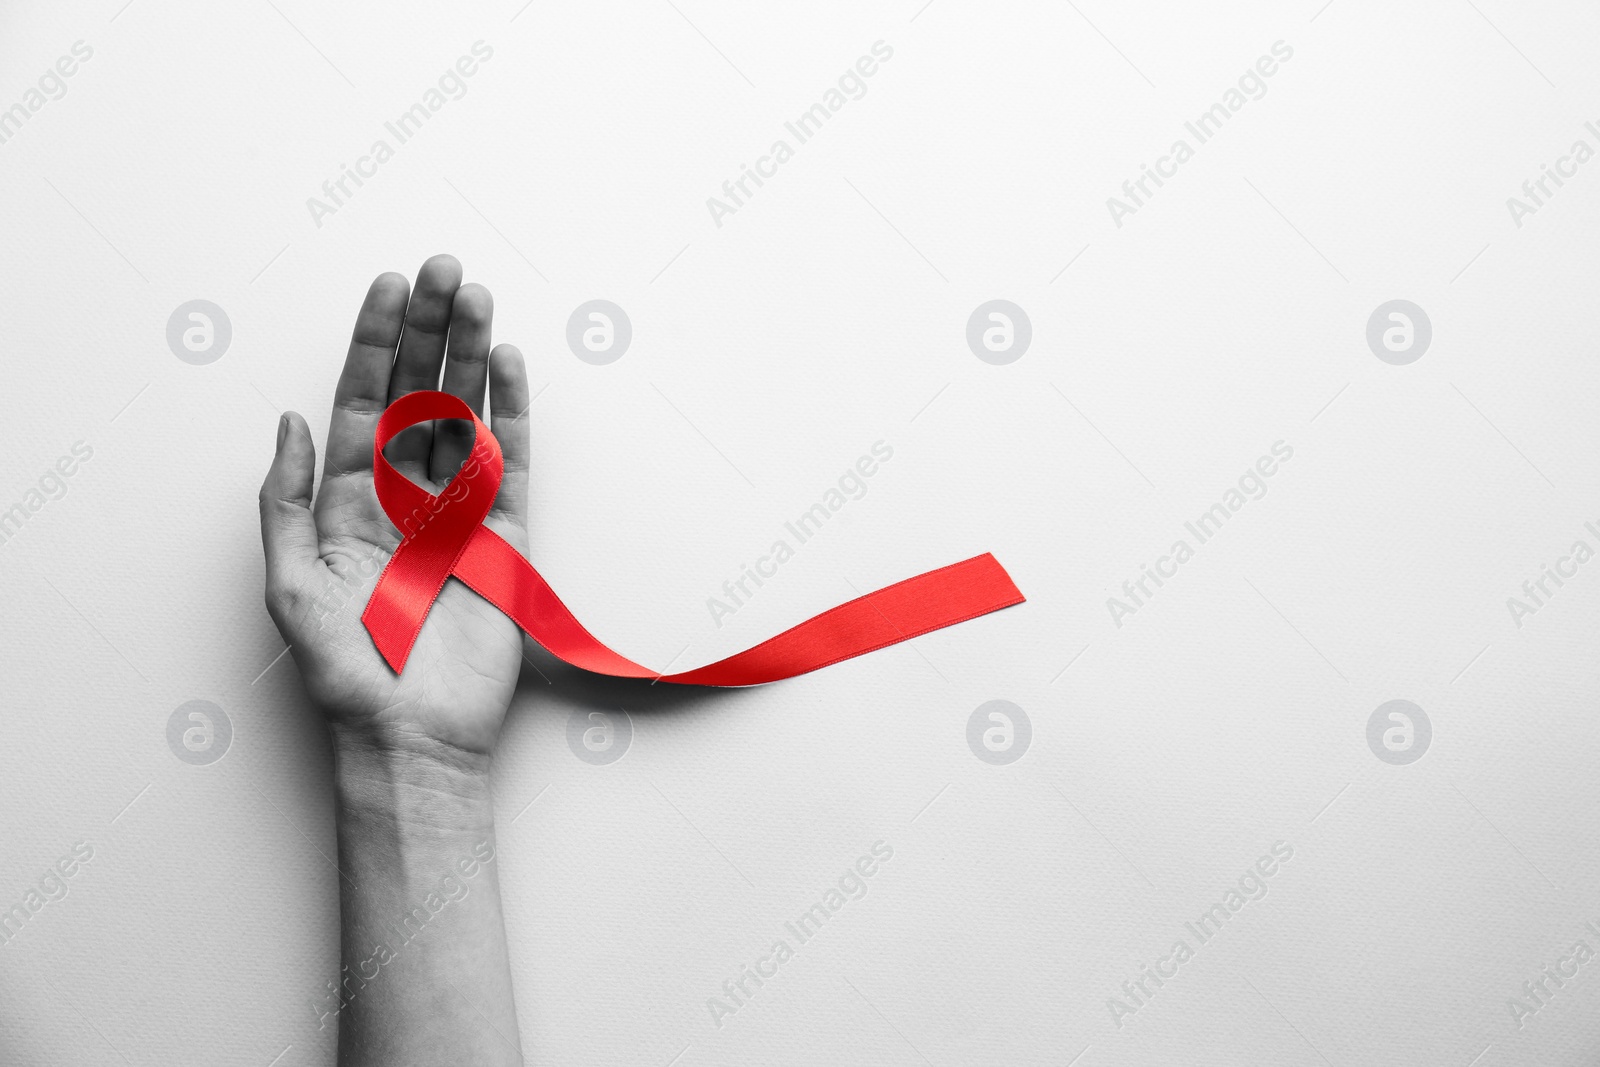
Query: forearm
[[426, 978]]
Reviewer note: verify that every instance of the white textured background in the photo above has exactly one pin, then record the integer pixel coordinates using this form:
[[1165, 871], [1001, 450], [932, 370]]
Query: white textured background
[[828, 313]]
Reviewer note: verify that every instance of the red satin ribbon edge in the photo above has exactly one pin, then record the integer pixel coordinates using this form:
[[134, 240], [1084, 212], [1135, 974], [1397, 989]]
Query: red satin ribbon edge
[[444, 536], [1007, 599]]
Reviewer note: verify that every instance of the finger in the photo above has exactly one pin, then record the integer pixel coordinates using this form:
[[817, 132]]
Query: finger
[[465, 373], [421, 354], [363, 390], [508, 419], [288, 532]]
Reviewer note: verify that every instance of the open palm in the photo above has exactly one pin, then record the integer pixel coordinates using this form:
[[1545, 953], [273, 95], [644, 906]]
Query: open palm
[[323, 559]]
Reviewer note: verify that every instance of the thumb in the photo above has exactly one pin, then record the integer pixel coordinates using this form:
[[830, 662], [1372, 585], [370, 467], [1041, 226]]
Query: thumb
[[288, 532]]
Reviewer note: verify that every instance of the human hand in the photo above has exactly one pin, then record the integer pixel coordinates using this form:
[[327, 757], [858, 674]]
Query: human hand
[[323, 559]]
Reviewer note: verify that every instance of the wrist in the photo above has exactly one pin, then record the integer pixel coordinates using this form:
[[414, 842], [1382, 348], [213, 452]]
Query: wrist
[[389, 773]]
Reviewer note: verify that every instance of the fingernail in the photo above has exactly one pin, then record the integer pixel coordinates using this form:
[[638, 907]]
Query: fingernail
[[283, 430]]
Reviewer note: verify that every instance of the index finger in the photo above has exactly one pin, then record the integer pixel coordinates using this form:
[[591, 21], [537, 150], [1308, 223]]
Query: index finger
[[363, 390]]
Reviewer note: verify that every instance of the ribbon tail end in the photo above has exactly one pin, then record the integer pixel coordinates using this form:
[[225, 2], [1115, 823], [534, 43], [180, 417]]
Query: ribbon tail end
[[394, 653], [1005, 576]]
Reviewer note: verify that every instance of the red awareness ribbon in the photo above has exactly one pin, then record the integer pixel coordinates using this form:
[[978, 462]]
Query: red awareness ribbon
[[444, 536]]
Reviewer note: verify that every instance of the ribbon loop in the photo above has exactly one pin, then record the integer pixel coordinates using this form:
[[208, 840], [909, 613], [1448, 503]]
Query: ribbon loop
[[443, 536]]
